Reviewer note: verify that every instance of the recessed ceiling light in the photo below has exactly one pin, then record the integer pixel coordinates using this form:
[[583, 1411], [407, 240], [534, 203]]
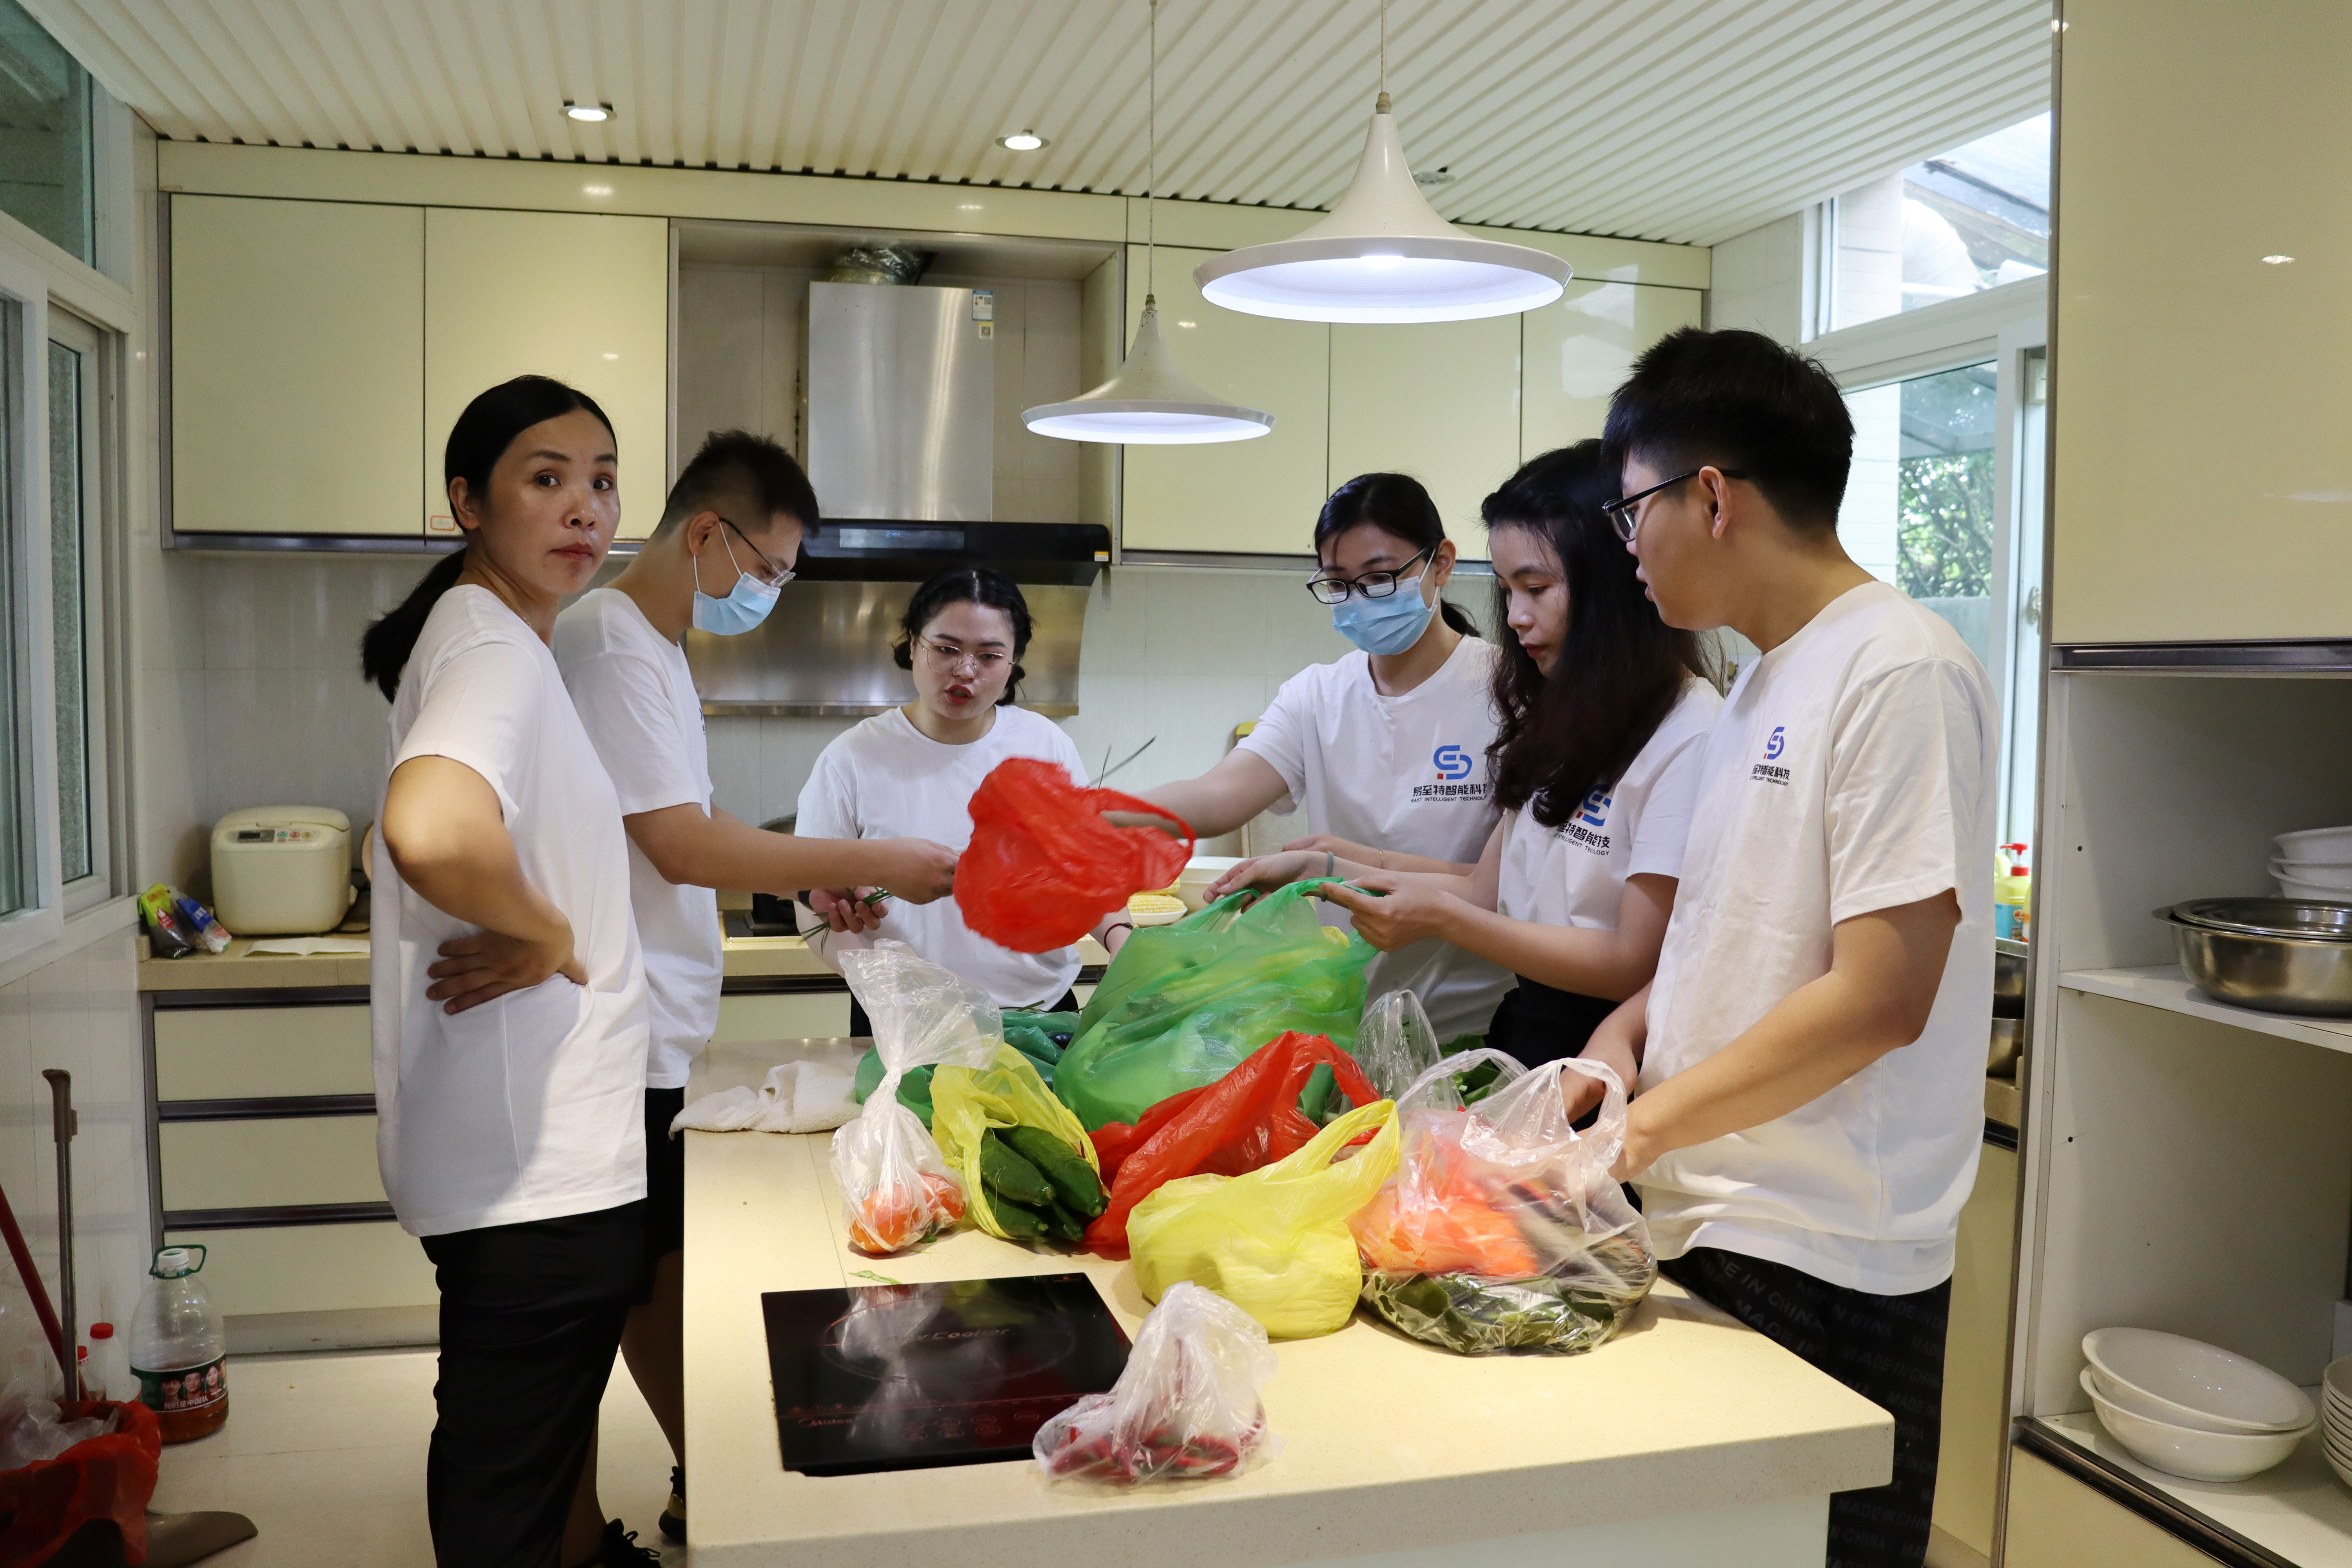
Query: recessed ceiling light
[[1022, 142], [2277, 260], [595, 190], [594, 113]]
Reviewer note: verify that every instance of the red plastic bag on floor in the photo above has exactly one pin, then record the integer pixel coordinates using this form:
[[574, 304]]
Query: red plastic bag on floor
[[1043, 867], [1244, 1121], [108, 1478]]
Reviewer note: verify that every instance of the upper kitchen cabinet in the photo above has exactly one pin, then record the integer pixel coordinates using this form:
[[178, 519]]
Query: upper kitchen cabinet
[[2202, 483], [581, 297], [1256, 497], [297, 373], [1578, 349], [1438, 400]]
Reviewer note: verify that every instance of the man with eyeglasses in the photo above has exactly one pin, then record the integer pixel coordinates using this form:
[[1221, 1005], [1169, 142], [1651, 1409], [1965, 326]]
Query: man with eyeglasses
[[725, 546], [1809, 1054]]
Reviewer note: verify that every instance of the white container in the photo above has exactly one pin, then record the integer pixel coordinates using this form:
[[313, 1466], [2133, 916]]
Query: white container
[[2185, 1382], [2333, 845], [2186, 1451], [1192, 883], [282, 870], [108, 1371]]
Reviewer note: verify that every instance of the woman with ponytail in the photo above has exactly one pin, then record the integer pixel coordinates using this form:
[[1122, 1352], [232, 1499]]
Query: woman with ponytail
[[508, 998], [1602, 713]]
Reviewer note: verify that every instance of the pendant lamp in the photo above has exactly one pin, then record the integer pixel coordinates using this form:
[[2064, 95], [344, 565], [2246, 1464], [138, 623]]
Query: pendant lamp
[[1148, 402], [1383, 254]]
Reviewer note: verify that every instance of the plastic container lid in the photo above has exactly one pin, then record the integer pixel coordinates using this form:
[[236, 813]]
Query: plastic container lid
[[101, 1330], [175, 1262]]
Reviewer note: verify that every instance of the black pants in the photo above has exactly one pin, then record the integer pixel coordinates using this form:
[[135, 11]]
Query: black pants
[[665, 1184], [862, 1027], [1538, 1024], [1888, 1349], [530, 1320]]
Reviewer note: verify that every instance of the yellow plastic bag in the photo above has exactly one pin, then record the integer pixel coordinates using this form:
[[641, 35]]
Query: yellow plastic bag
[[968, 1102], [1275, 1242]]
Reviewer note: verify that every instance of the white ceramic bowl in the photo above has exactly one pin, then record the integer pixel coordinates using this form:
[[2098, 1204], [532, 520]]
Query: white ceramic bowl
[[2330, 843], [2310, 892], [2188, 1383], [2318, 873], [2184, 1450]]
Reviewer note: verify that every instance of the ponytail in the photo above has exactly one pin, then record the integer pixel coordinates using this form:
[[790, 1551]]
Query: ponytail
[[476, 441], [1454, 616]]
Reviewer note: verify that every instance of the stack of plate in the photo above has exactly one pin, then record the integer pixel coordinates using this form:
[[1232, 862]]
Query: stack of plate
[[2313, 864], [2193, 1409], [2335, 1419]]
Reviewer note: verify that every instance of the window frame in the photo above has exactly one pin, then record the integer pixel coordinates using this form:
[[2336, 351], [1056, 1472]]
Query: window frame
[[101, 571], [42, 920]]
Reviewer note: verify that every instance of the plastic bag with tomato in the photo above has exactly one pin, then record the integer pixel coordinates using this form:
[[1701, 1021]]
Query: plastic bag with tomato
[[896, 1189], [1044, 867], [1186, 1406]]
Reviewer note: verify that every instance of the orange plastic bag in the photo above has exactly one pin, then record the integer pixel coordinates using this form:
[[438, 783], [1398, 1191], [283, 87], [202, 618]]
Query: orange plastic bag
[[1043, 867], [1244, 1121], [107, 1477]]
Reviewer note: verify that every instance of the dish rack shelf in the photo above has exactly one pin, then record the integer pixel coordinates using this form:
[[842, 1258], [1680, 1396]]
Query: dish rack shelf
[[2163, 986]]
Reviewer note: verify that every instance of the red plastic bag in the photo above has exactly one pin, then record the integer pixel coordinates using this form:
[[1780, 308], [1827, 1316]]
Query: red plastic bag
[[109, 1477], [1244, 1121], [1043, 867]]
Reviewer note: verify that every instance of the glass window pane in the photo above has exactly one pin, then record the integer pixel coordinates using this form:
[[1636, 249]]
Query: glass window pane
[[1919, 505], [47, 173], [1972, 219], [16, 829], [66, 597]]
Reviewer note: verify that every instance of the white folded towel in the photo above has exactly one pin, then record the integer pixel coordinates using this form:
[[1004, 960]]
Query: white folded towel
[[798, 1097]]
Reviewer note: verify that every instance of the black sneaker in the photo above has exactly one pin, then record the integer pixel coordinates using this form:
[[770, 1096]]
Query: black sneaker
[[673, 1518], [620, 1549]]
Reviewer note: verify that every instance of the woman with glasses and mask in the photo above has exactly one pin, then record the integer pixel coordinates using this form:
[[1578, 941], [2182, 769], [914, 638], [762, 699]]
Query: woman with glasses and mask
[[1385, 749], [911, 772]]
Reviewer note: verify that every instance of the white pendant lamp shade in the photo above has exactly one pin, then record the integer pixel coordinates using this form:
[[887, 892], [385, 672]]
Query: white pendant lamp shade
[[1148, 402], [1383, 254]]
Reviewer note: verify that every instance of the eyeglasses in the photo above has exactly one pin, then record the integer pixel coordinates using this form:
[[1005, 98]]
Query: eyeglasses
[[1626, 515], [946, 657], [775, 577], [1372, 584]]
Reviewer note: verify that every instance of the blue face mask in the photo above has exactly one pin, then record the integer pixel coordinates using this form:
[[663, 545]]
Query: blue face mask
[[1384, 625], [745, 605]]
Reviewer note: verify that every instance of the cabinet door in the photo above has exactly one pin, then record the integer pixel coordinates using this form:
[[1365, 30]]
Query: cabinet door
[[577, 296], [782, 1015], [1976, 1356], [298, 330], [1437, 400], [256, 1053], [1578, 349], [312, 1268], [278, 1164], [2057, 1521], [1256, 497]]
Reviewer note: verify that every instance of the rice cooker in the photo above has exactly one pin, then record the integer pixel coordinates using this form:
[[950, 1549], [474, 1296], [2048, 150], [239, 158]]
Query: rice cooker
[[282, 870]]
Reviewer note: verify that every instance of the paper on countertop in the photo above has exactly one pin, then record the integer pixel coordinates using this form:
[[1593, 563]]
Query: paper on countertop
[[304, 946], [798, 1097]]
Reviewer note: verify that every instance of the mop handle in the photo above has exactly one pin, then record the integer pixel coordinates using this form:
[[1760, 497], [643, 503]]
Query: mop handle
[[63, 1125], [31, 1278]]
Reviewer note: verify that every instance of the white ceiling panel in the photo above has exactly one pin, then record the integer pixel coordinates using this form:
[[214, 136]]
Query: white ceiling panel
[[1677, 120]]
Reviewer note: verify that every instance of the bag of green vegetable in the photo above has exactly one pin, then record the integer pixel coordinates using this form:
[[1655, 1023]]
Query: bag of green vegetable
[[1027, 1167], [1274, 1243], [1040, 1037], [1504, 1230], [1182, 1004]]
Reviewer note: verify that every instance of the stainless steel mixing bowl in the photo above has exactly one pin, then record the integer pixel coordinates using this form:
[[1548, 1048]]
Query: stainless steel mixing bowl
[[2311, 975]]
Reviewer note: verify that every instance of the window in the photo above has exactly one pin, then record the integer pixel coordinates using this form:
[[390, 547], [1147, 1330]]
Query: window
[[48, 171], [76, 605], [1950, 226]]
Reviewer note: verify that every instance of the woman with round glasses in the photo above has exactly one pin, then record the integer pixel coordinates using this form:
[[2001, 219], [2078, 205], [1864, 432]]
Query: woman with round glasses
[[910, 773], [1384, 750]]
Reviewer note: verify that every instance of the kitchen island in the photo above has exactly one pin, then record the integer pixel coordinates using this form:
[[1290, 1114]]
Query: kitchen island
[[1687, 1440]]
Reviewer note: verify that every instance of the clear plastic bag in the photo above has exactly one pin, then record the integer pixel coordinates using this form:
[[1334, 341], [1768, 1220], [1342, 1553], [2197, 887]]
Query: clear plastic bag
[[1503, 1229], [1187, 1405], [896, 1187], [1395, 1042]]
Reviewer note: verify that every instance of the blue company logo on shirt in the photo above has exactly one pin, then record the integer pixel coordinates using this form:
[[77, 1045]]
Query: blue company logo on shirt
[[1454, 764], [1591, 817], [1768, 770]]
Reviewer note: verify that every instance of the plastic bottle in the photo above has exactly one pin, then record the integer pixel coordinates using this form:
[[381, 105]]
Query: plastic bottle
[[107, 1374], [179, 1348], [2013, 893]]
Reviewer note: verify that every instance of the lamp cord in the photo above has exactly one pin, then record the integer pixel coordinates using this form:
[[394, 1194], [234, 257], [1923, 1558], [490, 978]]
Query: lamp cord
[[1384, 46], [1152, 158]]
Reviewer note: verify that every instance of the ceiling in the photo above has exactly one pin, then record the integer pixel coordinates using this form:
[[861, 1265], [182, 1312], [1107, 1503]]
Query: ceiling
[[1679, 119]]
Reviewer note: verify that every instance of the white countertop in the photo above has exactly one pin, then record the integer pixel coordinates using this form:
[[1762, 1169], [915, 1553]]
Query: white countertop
[[1392, 1444]]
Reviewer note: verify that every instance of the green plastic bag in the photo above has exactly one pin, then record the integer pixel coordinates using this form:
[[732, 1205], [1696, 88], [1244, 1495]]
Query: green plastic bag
[[1039, 1037], [1181, 1004]]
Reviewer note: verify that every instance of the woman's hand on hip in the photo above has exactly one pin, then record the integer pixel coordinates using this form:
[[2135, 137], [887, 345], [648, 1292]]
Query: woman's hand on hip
[[472, 970], [1391, 912]]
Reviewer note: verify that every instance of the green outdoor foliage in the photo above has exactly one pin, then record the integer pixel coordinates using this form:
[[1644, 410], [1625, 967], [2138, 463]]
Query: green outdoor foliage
[[1946, 526]]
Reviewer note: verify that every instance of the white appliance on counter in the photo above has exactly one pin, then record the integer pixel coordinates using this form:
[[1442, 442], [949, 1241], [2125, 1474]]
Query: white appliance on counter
[[282, 870]]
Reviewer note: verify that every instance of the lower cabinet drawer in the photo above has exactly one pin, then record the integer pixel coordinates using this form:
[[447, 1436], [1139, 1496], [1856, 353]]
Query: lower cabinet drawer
[[312, 1267], [245, 1053], [265, 1164], [2057, 1521]]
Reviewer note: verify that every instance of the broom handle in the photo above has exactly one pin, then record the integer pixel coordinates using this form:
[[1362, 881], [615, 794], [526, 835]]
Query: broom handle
[[31, 1278], [63, 1125]]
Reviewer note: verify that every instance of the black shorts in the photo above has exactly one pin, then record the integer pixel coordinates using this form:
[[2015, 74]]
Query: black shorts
[[1538, 1024], [665, 1183]]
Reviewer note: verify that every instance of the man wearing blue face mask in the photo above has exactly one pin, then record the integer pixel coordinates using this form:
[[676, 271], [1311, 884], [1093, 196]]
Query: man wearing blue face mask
[[726, 544]]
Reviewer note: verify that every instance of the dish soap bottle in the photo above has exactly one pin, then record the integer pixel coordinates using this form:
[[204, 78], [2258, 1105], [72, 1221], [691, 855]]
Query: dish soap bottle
[[179, 1348], [2013, 893]]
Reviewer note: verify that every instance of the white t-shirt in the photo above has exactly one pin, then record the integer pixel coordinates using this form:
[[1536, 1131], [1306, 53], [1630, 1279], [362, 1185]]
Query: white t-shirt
[[530, 1106], [1574, 875], [636, 698], [885, 779], [1850, 771], [1408, 773]]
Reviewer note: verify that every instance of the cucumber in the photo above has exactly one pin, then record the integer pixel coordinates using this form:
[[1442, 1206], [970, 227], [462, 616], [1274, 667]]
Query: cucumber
[[1067, 1223], [1019, 1223], [1074, 1181], [1006, 1172]]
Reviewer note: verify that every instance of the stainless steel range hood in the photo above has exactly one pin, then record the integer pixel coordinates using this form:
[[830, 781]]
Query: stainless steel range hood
[[901, 389]]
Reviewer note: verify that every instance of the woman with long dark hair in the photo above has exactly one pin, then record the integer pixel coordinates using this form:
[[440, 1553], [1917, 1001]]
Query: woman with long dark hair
[[910, 773], [1603, 711], [507, 989], [1384, 750]]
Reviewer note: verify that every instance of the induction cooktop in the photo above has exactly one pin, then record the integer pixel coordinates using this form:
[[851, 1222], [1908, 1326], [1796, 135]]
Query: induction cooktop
[[901, 1377]]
